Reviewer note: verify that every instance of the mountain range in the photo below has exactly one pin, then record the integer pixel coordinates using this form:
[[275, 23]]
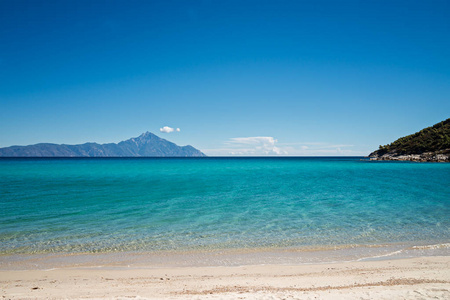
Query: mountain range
[[146, 145]]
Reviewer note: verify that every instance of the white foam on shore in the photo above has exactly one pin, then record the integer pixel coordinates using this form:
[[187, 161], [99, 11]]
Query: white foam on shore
[[381, 256], [413, 251], [432, 247]]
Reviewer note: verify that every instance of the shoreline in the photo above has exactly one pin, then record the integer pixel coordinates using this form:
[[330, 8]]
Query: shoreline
[[412, 278], [318, 254]]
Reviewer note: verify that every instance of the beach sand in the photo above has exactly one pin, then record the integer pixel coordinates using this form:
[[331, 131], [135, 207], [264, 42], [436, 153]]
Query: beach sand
[[414, 278]]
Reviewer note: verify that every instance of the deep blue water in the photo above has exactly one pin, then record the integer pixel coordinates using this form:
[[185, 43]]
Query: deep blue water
[[137, 204]]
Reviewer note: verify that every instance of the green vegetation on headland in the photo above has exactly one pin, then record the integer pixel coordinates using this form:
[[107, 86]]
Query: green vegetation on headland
[[429, 144]]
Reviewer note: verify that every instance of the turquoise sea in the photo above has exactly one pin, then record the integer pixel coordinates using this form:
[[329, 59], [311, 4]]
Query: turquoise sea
[[149, 205]]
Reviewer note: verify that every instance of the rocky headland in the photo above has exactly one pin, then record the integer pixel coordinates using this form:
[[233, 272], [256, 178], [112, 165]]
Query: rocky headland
[[431, 144], [423, 157]]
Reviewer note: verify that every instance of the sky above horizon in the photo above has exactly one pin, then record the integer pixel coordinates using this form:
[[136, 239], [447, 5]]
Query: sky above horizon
[[227, 77]]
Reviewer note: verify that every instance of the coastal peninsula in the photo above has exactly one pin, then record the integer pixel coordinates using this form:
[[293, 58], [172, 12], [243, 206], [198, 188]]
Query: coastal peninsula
[[431, 144]]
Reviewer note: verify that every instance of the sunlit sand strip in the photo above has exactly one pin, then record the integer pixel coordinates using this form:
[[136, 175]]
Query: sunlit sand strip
[[415, 278]]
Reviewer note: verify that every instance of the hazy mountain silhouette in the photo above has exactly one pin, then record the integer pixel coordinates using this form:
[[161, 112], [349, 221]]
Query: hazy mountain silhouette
[[146, 145]]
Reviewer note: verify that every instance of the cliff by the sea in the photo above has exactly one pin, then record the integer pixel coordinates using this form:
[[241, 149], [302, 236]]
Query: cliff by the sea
[[431, 144]]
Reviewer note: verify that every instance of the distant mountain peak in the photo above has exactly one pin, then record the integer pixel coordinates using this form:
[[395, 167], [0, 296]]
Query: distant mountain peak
[[145, 145], [146, 134]]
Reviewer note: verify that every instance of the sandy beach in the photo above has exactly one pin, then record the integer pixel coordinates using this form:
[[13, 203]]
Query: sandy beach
[[414, 278]]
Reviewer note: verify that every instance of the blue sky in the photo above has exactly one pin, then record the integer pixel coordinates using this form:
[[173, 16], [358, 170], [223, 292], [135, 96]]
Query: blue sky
[[236, 77]]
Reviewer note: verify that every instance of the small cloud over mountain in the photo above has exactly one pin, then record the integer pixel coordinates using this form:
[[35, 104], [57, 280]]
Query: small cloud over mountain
[[167, 129]]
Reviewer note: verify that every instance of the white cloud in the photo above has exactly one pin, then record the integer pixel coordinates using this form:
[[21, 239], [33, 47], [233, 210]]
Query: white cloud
[[168, 129], [255, 145], [253, 140], [269, 146]]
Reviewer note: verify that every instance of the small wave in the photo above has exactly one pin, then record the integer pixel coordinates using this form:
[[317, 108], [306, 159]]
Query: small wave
[[380, 256], [432, 247]]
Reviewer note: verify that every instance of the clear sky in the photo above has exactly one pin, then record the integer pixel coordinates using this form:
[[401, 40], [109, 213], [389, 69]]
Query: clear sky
[[235, 77]]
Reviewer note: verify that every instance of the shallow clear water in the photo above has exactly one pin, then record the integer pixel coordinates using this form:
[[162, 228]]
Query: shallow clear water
[[137, 204]]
